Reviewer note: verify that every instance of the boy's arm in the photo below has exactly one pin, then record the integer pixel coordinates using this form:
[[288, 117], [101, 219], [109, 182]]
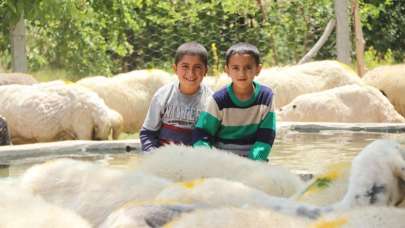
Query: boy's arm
[[207, 125], [265, 137], [149, 139], [149, 134]]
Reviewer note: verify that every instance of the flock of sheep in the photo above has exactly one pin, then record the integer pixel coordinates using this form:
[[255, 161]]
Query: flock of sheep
[[174, 188], [101, 108]]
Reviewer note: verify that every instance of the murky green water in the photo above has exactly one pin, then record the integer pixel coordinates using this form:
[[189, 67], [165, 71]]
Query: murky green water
[[311, 152], [300, 152]]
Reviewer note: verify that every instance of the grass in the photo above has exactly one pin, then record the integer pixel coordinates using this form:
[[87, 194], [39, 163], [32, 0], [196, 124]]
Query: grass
[[124, 136], [46, 75]]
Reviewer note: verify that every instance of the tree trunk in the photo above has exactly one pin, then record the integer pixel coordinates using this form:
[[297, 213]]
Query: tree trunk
[[314, 50], [361, 66], [262, 9], [19, 57], [343, 41]]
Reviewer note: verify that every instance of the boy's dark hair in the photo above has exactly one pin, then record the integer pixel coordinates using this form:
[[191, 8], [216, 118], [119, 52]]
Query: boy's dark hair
[[191, 48], [243, 48]]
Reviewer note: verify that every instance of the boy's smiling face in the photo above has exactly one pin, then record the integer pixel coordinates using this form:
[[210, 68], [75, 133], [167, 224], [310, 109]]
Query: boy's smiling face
[[242, 68], [190, 70]]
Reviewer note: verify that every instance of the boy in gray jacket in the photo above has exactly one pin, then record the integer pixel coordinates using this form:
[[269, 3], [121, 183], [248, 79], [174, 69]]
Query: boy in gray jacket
[[175, 107]]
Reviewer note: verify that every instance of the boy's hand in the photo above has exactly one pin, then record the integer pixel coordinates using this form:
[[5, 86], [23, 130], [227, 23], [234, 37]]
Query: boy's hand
[[201, 143]]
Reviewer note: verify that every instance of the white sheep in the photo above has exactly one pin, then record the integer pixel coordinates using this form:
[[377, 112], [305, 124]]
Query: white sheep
[[236, 217], [19, 208], [217, 82], [91, 190], [16, 78], [390, 80], [216, 192], [350, 103], [146, 214], [327, 187], [182, 163], [129, 93], [49, 113], [376, 176], [291, 81], [363, 217], [376, 179]]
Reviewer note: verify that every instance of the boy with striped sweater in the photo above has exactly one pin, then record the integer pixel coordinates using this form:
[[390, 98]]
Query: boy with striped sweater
[[239, 117]]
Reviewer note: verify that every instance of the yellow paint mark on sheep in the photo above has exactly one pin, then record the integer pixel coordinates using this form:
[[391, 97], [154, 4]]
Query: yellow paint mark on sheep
[[191, 184], [324, 180], [170, 224], [336, 223], [68, 82]]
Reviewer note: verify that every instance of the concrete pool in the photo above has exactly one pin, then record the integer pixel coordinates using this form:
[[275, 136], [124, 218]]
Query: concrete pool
[[301, 147]]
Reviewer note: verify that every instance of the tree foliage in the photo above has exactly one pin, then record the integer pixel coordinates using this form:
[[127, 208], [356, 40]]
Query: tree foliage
[[384, 22], [106, 37]]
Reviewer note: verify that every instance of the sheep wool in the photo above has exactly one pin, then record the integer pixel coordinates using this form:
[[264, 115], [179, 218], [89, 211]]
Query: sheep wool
[[19, 209], [16, 78], [93, 191], [376, 176], [216, 192], [184, 163], [236, 217], [146, 214], [350, 104], [326, 188], [129, 93], [363, 217], [291, 81], [56, 112], [390, 80]]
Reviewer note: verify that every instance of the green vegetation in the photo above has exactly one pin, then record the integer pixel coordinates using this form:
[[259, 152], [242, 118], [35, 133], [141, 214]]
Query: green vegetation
[[100, 37]]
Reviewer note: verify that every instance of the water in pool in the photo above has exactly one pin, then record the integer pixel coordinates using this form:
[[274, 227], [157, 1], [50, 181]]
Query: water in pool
[[299, 152]]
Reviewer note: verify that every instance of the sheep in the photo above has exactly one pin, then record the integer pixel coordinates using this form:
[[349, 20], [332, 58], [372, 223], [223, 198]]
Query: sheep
[[19, 208], [376, 179], [291, 81], [350, 103], [16, 78], [363, 217], [390, 80], [217, 82], [182, 163], [376, 176], [149, 214], [4, 135], [91, 190], [129, 93], [216, 192], [49, 113], [326, 188], [237, 217]]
